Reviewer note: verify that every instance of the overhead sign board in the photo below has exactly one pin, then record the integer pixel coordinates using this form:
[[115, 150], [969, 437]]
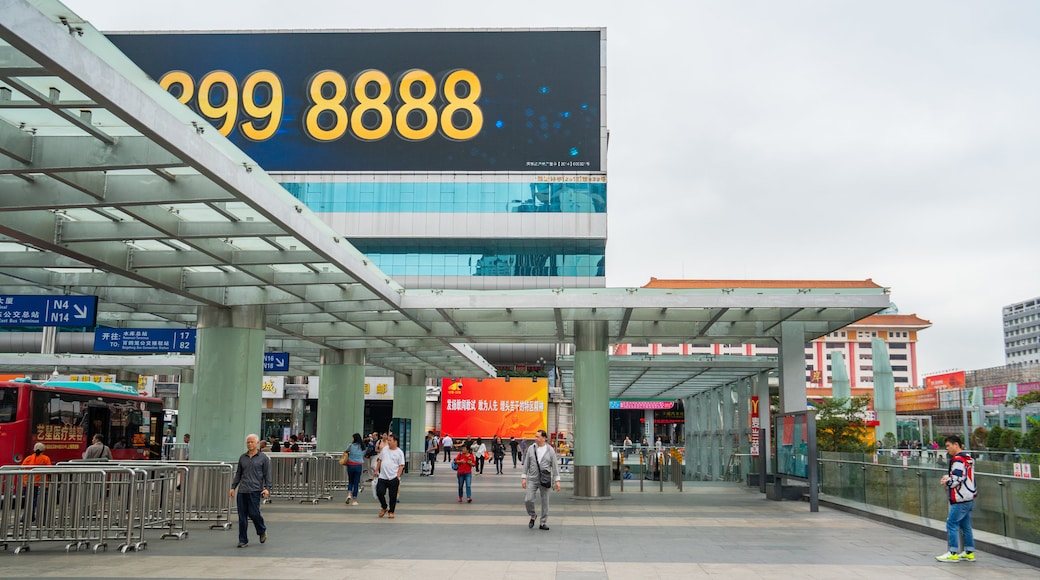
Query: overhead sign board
[[276, 362], [33, 310], [144, 340], [646, 404], [479, 100]]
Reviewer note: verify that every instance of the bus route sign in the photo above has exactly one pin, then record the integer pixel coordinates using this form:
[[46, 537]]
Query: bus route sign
[[35, 310], [144, 340]]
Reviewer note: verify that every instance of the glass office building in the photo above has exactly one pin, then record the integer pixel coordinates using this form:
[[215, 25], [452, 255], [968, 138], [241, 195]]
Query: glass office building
[[470, 230]]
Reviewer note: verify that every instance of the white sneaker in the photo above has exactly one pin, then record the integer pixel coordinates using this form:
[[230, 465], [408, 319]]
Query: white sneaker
[[948, 557], [353, 502], [348, 500]]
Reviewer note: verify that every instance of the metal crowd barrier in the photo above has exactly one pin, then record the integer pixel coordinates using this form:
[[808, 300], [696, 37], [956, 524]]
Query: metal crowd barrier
[[78, 505], [175, 451], [205, 490], [297, 476], [159, 505], [201, 492], [333, 475]]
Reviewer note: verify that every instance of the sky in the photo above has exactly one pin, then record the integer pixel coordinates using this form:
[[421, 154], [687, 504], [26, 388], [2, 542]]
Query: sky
[[890, 140]]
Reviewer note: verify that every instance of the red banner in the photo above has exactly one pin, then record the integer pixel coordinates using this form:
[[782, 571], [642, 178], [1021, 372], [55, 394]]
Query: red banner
[[489, 407], [954, 380]]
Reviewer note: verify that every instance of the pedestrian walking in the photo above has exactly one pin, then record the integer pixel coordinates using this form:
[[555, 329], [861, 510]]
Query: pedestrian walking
[[464, 464], [98, 450], [514, 448], [480, 452], [446, 443], [390, 467], [498, 452], [355, 465], [541, 473], [960, 485], [253, 482]]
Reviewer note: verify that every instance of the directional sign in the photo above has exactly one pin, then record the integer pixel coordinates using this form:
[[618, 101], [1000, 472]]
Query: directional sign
[[276, 362], [33, 310], [144, 340]]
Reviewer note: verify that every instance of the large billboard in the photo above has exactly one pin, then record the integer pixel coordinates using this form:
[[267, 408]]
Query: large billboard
[[492, 100], [954, 380], [489, 407]]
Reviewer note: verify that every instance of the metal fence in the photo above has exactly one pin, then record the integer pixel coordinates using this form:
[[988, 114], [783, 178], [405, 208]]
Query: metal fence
[[201, 491], [83, 507], [306, 477]]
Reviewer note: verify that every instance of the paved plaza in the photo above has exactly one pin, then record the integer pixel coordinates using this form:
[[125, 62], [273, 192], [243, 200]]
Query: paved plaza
[[709, 530]]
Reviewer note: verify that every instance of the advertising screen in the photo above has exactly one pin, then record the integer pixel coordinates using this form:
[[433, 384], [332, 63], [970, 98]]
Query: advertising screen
[[489, 407], [491, 100], [954, 380]]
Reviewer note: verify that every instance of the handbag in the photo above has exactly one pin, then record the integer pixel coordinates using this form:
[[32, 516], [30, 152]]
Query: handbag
[[343, 458], [454, 466], [545, 478]]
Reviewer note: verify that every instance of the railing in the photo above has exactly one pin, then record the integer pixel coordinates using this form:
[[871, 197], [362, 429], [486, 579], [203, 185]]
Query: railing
[[1006, 505], [78, 506], [303, 476], [648, 466]]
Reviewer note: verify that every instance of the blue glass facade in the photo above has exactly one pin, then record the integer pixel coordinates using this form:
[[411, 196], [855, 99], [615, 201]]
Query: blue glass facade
[[491, 258], [451, 198], [453, 227]]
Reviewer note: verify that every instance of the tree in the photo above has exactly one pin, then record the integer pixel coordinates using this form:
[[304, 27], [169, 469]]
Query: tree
[[1025, 399], [978, 438], [994, 438], [1031, 440], [840, 426], [889, 440]]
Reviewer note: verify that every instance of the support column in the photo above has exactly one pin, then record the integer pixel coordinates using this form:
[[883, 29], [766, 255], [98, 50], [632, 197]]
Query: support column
[[229, 366], [591, 410], [185, 403], [297, 407], [341, 398], [410, 403], [884, 388], [792, 367]]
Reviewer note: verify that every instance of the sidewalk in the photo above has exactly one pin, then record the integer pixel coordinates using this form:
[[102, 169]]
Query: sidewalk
[[710, 530]]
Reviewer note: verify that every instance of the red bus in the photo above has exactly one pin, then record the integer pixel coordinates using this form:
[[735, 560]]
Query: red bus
[[65, 415]]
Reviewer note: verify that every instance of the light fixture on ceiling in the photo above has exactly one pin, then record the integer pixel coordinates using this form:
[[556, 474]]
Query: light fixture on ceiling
[[55, 373]]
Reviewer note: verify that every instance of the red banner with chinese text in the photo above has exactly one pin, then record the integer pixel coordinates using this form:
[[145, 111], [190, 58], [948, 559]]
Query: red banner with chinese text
[[489, 407]]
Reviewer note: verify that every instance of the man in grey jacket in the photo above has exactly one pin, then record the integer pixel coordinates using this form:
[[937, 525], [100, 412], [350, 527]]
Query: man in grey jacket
[[540, 458]]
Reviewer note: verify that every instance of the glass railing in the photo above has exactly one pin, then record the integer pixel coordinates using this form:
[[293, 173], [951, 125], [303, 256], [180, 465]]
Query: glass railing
[[1006, 505]]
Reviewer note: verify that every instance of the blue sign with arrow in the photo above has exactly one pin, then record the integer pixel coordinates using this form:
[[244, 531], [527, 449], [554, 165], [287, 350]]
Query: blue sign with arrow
[[276, 362], [34, 310]]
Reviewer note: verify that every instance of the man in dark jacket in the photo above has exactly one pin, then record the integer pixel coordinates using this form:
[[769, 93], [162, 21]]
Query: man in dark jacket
[[253, 481]]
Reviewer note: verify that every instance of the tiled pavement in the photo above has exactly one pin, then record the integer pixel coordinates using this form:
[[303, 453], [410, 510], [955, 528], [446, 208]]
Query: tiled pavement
[[709, 530]]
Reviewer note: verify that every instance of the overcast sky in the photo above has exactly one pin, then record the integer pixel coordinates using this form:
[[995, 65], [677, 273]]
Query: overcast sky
[[891, 140]]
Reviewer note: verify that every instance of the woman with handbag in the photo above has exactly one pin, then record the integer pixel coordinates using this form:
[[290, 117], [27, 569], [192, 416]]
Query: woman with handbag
[[355, 455], [463, 466]]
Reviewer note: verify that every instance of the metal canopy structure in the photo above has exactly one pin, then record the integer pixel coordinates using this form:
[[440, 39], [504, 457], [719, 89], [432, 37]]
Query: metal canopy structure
[[111, 187], [670, 376]]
